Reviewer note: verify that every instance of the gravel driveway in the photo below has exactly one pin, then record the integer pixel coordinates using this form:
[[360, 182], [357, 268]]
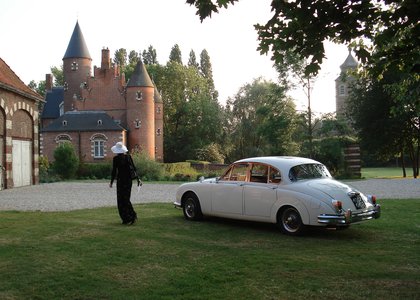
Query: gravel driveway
[[62, 196]]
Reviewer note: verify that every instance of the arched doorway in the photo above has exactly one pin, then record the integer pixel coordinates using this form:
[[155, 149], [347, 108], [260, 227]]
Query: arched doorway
[[22, 145], [2, 149]]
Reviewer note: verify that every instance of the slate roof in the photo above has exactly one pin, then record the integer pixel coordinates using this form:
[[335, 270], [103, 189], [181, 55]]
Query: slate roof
[[83, 121], [10, 81], [77, 46], [140, 77], [157, 96], [350, 62], [53, 99]]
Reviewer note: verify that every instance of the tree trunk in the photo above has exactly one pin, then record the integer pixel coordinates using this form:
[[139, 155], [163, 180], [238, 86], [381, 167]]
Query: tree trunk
[[403, 163]]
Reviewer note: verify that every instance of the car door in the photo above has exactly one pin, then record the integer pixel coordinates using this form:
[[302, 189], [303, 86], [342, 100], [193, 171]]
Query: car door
[[227, 196], [260, 193]]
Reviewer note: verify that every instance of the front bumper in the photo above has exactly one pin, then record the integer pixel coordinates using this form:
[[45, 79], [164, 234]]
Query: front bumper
[[349, 217]]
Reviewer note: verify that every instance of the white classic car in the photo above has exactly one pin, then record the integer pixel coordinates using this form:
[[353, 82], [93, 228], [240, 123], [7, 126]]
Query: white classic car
[[292, 192]]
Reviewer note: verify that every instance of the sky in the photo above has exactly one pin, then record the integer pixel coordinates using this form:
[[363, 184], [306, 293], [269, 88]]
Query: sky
[[35, 36]]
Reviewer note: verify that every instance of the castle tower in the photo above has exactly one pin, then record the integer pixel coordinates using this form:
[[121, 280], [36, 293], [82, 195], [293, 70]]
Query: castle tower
[[158, 126], [141, 111], [343, 84], [76, 69]]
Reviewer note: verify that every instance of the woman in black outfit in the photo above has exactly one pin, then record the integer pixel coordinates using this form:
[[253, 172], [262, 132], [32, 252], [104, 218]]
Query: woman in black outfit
[[121, 170]]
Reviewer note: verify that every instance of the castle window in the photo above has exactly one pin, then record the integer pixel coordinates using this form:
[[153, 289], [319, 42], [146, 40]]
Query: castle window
[[66, 86], [62, 138], [139, 95], [98, 145], [158, 110], [74, 66], [98, 149], [137, 123], [342, 89], [158, 131]]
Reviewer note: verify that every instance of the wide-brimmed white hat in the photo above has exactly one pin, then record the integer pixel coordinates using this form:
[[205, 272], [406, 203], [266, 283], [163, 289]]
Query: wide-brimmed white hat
[[119, 148]]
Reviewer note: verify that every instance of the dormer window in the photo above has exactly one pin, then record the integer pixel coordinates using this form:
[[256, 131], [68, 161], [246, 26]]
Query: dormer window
[[99, 122], [139, 95], [137, 123], [64, 123], [74, 66]]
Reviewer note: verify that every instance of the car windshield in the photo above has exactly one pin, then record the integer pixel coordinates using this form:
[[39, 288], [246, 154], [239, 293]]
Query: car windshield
[[308, 171]]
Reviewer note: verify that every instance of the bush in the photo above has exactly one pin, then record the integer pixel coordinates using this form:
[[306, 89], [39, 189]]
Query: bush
[[181, 171], [66, 162], [95, 170], [148, 169], [211, 153]]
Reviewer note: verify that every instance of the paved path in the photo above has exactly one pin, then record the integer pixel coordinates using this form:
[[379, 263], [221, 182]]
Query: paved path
[[62, 196]]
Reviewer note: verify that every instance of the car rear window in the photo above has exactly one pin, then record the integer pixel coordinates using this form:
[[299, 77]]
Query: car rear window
[[308, 171]]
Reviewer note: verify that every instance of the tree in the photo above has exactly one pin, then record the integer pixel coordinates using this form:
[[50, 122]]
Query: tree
[[120, 57], [192, 61], [191, 118], [150, 56], [66, 162], [261, 121], [385, 127], [302, 26], [175, 55], [38, 87], [58, 74], [292, 75], [133, 57], [207, 72]]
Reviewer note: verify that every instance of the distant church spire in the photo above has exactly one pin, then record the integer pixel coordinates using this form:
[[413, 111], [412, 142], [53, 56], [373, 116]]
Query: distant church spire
[[77, 46], [349, 63], [343, 84]]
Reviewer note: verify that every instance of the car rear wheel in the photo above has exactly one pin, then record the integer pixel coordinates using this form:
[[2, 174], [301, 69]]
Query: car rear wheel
[[290, 222], [192, 208]]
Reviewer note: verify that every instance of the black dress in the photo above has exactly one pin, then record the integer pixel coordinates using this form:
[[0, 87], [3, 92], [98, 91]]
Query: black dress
[[121, 171]]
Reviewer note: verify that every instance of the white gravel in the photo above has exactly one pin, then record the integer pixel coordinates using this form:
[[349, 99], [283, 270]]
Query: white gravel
[[63, 196]]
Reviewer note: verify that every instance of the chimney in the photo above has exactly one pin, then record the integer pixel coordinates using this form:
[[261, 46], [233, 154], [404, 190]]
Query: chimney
[[106, 61], [48, 82]]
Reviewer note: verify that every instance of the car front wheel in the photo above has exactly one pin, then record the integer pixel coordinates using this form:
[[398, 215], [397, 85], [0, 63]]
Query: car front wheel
[[290, 222], [191, 208]]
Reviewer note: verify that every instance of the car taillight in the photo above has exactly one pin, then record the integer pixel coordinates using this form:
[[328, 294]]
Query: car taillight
[[373, 199], [337, 204]]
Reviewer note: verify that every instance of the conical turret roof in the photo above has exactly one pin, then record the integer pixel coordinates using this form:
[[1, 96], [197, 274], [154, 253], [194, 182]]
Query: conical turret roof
[[157, 97], [140, 77], [350, 62], [77, 46]]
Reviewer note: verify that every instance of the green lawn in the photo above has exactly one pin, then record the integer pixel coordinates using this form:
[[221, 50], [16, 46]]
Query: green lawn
[[385, 173], [87, 254]]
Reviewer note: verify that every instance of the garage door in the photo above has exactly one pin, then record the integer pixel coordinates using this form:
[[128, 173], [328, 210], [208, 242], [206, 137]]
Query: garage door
[[22, 164]]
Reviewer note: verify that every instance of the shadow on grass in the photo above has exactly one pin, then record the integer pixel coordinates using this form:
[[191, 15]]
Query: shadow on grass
[[322, 233]]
